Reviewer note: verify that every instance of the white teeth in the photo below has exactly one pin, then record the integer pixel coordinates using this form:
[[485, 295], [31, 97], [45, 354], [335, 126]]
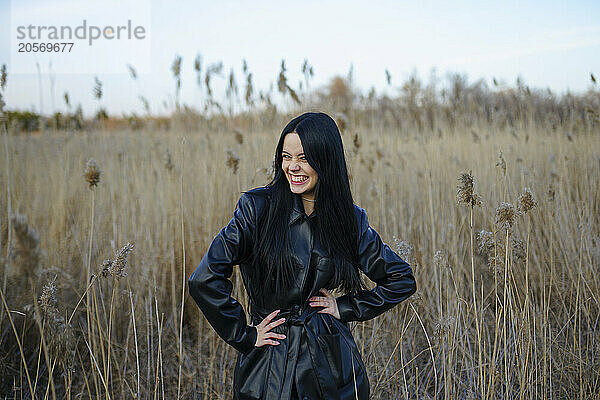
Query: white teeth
[[298, 179]]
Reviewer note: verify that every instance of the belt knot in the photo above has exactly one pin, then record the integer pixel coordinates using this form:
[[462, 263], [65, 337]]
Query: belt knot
[[294, 316]]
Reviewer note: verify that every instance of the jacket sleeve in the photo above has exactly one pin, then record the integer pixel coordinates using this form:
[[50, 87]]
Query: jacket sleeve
[[393, 276], [210, 285]]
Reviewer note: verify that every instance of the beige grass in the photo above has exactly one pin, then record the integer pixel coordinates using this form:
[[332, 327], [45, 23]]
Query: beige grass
[[526, 328]]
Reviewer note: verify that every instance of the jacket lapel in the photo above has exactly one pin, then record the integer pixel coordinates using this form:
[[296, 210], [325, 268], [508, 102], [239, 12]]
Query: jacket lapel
[[301, 238]]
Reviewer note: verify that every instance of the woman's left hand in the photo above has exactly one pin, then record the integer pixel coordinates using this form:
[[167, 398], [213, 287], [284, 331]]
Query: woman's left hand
[[328, 303]]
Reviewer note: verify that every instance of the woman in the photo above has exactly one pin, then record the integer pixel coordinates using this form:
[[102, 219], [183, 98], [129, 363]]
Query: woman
[[295, 240]]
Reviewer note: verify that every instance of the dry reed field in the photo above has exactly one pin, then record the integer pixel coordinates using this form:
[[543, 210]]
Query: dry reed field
[[499, 220]]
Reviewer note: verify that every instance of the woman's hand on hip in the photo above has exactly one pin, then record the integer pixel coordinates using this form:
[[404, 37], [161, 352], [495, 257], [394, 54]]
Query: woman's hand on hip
[[264, 335], [329, 303]]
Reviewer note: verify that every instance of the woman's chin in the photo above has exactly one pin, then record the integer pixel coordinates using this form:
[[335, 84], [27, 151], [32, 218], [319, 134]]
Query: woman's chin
[[300, 189], [297, 188]]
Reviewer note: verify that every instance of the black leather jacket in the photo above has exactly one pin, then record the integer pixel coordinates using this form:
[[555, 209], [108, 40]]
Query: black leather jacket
[[319, 355]]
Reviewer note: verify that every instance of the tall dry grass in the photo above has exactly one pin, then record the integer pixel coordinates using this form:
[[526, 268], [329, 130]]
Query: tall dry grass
[[508, 293]]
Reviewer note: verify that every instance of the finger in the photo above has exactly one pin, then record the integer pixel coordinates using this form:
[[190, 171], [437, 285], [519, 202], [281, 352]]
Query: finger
[[269, 317], [273, 335], [271, 342], [274, 324], [320, 299], [325, 292]]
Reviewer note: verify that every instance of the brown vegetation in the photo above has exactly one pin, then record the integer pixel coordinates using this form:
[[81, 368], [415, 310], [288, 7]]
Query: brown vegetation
[[492, 196]]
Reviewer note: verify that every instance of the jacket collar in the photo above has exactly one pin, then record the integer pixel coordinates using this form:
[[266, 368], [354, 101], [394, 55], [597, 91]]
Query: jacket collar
[[298, 210]]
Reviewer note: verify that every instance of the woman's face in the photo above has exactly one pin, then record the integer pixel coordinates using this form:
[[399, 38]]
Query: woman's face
[[302, 178]]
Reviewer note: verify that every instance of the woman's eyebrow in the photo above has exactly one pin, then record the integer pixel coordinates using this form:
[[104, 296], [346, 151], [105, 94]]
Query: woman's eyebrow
[[284, 151]]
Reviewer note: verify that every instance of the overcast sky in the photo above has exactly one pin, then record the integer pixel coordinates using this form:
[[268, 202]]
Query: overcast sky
[[553, 44]]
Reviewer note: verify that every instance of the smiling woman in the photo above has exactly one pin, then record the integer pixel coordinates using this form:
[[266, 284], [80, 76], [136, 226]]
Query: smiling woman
[[297, 239], [301, 176]]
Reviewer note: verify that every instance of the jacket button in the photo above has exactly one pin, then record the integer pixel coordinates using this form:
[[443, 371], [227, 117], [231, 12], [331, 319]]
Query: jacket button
[[296, 307]]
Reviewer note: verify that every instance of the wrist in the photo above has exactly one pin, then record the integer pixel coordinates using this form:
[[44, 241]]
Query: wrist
[[345, 310]]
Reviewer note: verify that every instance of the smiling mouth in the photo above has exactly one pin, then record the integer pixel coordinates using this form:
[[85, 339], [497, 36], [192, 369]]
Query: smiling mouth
[[298, 179]]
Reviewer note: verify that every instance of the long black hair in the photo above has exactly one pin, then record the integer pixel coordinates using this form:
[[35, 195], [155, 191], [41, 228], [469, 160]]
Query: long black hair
[[336, 225]]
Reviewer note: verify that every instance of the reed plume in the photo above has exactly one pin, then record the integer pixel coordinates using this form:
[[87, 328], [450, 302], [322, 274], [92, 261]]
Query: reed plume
[[441, 259], [239, 135], [356, 142], [233, 161], [526, 201], [465, 193], [176, 69], [26, 255], [92, 173], [284, 87], [505, 215], [58, 333], [501, 163], [3, 77], [116, 267]]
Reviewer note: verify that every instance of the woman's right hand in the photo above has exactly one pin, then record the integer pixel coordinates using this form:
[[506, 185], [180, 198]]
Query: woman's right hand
[[264, 336]]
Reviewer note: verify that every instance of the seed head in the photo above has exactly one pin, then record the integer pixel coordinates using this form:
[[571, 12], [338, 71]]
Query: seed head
[[406, 251], [59, 335], [492, 248], [176, 66], [97, 88], [526, 201], [518, 249], [505, 215], [105, 268], [27, 254], [239, 135], [501, 163], [496, 261], [357, 143], [342, 122], [443, 326], [47, 300], [2, 104], [441, 259], [466, 193], [3, 76], [485, 242], [116, 267], [233, 161], [132, 72], [92, 173], [198, 63]]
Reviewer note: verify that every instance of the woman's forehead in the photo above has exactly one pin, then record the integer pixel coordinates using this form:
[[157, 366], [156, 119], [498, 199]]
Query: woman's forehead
[[292, 143]]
